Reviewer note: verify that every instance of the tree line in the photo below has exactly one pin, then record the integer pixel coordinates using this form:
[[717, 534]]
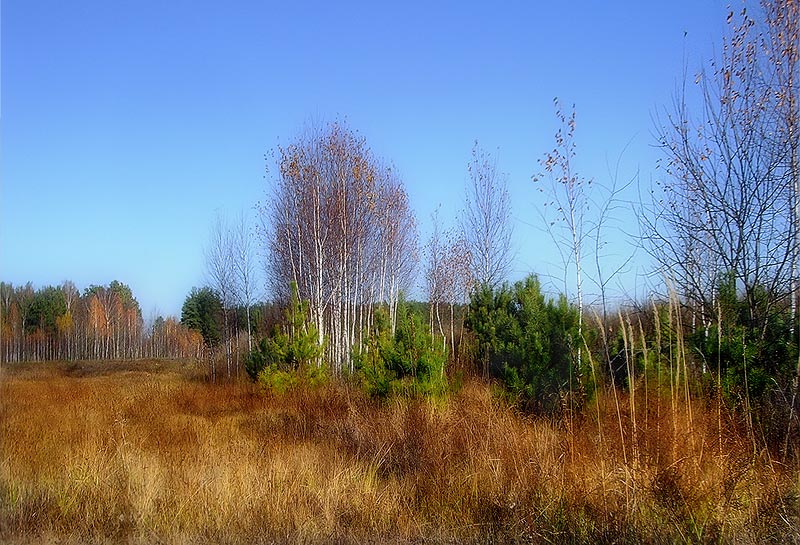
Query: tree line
[[102, 322]]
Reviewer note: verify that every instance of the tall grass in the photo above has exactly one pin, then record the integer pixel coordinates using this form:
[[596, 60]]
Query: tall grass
[[149, 453]]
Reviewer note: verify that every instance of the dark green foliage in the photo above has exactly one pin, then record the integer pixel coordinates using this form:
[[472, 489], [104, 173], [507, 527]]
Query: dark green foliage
[[754, 352], [263, 318], [293, 348], [47, 305], [125, 295], [121, 291], [526, 340], [202, 311], [409, 362], [755, 356]]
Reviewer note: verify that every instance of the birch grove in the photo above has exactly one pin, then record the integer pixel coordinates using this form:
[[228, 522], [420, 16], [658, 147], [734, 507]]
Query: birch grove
[[338, 225]]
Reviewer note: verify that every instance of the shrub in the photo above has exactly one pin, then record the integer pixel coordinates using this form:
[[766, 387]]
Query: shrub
[[273, 379], [527, 341], [293, 348], [408, 362]]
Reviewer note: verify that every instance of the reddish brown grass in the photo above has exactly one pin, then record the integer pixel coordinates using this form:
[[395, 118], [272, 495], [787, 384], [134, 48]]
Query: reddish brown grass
[[147, 452]]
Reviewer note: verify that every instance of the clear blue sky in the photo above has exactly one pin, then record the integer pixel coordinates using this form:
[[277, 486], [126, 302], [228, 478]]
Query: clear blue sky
[[127, 125]]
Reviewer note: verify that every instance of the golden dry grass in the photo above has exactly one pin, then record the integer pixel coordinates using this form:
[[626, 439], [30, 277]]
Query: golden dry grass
[[147, 452]]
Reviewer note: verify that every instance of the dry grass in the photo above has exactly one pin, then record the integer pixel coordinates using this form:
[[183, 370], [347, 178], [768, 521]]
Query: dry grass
[[148, 453]]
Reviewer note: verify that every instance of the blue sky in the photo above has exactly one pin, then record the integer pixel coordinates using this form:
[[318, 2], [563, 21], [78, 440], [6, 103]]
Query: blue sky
[[126, 126]]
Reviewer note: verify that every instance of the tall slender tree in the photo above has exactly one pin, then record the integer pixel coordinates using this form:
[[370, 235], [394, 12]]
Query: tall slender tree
[[437, 276], [244, 264], [221, 272], [486, 220], [567, 197]]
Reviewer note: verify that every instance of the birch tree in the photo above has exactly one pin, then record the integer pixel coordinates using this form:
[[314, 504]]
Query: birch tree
[[68, 324], [486, 220], [459, 279], [244, 264], [567, 197], [6, 321], [727, 206], [396, 244], [221, 273], [723, 223], [781, 49], [436, 276]]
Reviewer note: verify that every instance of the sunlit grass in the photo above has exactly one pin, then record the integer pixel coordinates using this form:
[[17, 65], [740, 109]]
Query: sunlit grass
[[148, 452]]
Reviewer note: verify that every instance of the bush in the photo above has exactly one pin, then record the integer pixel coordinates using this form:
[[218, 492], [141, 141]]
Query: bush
[[410, 362], [292, 349], [273, 379], [756, 351], [526, 341], [755, 355]]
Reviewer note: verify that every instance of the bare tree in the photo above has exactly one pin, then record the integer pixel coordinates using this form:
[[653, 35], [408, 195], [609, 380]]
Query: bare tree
[[728, 214], [7, 321], [221, 272], [781, 47], [71, 296], [448, 278], [398, 244], [458, 278], [723, 209], [782, 51], [486, 220], [436, 276], [244, 266], [568, 197]]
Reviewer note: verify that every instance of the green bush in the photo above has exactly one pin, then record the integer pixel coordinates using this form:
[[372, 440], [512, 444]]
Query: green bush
[[410, 362], [292, 350], [279, 381], [754, 350], [527, 341], [751, 360], [273, 379]]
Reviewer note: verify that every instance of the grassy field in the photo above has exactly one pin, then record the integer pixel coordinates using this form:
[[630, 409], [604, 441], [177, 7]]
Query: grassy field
[[147, 452]]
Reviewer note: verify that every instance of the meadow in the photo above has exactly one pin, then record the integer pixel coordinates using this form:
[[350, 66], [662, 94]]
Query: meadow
[[150, 452]]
